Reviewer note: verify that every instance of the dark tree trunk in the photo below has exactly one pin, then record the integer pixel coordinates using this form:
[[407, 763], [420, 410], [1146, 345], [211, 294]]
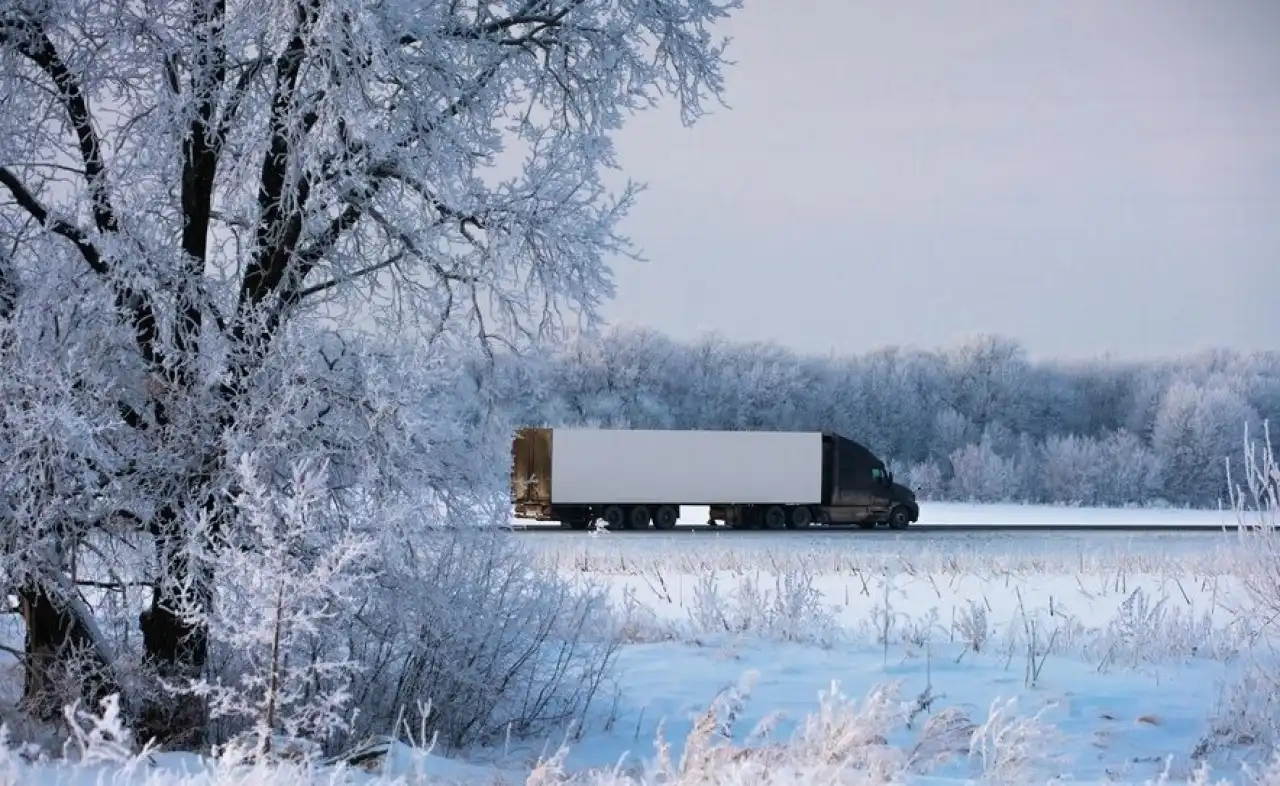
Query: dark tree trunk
[[57, 642], [177, 647]]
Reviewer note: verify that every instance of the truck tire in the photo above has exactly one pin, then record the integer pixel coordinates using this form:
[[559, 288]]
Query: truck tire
[[801, 517], [899, 518], [775, 518], [613, 517], [666, 517], [639, 518]]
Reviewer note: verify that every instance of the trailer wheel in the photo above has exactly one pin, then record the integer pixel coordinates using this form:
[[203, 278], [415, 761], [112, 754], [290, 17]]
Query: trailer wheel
[[801, 518], [899, 518], [775, 518], [613, 517], [639, 518], [666, 517]]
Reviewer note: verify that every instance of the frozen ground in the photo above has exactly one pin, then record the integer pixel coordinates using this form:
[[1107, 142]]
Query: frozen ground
[[961, 657]]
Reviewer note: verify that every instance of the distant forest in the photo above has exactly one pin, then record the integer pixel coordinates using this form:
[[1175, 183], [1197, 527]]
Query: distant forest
[[975, 422]]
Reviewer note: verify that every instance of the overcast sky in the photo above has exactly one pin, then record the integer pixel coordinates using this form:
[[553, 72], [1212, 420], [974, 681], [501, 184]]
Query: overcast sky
[[1085, 176]]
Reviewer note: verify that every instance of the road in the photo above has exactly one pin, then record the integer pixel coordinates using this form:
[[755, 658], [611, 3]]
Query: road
[[955, 517], [695, 529]]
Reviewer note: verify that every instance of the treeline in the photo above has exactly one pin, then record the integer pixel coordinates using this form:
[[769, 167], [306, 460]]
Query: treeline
[[978, 421]]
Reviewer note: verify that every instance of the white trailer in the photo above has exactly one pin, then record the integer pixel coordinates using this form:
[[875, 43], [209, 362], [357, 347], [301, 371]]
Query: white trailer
[[591, 466], [631, 478]]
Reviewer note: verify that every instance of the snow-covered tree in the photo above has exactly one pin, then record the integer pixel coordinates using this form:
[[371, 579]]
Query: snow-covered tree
[[926, 479], [1131, 470], [1072, 469], [232, 176], [1193, 437], [1073, 432], [983, 475]]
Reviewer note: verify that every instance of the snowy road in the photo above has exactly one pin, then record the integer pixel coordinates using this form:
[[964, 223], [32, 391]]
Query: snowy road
[[939, 517], [945, 529], [702, 529]]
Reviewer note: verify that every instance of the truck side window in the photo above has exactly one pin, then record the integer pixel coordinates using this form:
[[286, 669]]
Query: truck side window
[[878, 474]]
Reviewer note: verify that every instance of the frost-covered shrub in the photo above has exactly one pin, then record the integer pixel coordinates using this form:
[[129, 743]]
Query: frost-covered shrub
[[973, 627], [466, 638], [1249, 715], [791, 610], [279, 602]]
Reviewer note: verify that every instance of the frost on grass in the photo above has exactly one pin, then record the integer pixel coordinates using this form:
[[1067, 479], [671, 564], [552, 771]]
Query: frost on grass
[[844, 741], [1248, 715], [787, 608]]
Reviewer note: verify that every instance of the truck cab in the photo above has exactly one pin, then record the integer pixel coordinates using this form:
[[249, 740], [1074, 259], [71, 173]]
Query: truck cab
[[859, 489]]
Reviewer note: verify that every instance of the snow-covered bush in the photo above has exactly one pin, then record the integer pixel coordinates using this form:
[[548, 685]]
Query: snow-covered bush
[[464, 637], [786, 608], [1250, 715], [283, 583]]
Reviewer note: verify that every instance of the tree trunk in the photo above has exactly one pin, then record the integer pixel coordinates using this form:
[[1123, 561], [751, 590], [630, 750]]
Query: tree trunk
[[176, 646], [63, 662]]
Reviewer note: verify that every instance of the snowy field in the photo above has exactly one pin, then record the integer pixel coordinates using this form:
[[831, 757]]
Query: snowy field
[[994, 658], [1093, 657]]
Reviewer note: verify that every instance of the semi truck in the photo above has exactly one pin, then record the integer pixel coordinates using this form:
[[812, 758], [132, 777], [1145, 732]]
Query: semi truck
[[634, 479]]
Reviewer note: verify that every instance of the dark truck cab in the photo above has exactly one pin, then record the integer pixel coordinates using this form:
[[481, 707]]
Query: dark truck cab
[[857, 490]]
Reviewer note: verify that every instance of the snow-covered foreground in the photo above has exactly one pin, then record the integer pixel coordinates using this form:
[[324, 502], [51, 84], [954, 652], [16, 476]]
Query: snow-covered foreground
[[1119, 665]]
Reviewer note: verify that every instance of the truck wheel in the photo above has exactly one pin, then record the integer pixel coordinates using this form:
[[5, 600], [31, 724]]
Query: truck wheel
[[801, 518], [639, 518], [666, 517], [775, 518], [613, 517], [899, 518]]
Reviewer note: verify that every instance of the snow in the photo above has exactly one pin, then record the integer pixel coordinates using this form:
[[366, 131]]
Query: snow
[[1111, 725], [1126, 650], [1124, 654], [952, 514]]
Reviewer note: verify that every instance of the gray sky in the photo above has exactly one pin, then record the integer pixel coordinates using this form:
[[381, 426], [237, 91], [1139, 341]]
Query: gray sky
[[1085, 176]]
